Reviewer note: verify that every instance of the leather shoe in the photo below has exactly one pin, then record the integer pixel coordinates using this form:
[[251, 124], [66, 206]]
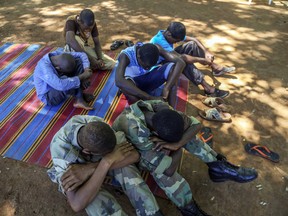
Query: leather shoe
[[220, 171]]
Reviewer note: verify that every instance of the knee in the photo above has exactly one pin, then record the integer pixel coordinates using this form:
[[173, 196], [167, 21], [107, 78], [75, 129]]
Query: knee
[[55, 100], [191, 44]]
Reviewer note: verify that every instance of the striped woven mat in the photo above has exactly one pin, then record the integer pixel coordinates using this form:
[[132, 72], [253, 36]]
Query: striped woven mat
[[26, 125]]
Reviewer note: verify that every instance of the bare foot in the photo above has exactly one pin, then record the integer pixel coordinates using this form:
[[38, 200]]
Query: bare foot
[[80, 103], [88, 97]]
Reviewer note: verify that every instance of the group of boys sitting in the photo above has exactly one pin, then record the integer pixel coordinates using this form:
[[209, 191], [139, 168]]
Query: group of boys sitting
[[149, 134]]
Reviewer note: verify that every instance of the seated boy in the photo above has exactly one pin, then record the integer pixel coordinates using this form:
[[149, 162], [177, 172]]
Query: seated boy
[[83, 152], [58, 75], [77, 31], [153, 126], [192, 51], [138, 75]]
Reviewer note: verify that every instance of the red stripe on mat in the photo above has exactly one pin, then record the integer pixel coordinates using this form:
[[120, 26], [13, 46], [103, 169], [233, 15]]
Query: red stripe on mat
[[16, 79], [182, 94], [11, 52], [40, 145], [120, 107], [19, 120]]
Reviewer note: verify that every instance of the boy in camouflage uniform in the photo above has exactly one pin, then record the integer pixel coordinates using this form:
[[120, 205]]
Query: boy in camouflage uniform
[[154, 127], [83, 152]]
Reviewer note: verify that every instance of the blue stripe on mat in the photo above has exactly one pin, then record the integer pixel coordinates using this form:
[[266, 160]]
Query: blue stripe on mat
[[12, 66]]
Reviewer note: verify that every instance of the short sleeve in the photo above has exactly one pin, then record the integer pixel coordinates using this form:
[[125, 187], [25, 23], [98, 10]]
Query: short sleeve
[[70, 26]]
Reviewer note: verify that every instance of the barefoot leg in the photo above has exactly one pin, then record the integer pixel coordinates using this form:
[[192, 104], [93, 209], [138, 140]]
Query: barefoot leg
[[88, 97], [80, 103]]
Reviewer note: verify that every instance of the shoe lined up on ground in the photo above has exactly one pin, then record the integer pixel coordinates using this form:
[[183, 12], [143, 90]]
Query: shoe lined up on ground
[[220, 171], [192, 209], [215, 114], [225, 70], [218, 93], [118, 43]]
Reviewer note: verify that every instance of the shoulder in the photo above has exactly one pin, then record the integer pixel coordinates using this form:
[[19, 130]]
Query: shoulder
[[84, 119], [71, 24]]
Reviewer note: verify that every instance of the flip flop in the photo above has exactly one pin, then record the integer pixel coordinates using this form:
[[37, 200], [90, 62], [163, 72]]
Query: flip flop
[[205, 134], [216, 102], [116, 44], [262, 151], [215, 114]]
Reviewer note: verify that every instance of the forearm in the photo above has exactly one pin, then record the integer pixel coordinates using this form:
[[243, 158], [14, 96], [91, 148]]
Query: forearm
[[176, 158], [97, 47], [81, 198], [175, 74], [98, 51], [63, 84], [190, 133], [191, 59], [72, 42], [129, 88]]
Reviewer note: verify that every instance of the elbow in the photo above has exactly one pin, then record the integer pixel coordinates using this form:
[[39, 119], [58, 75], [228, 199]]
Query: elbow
[[182, 63], [75, 203], [119, 84], [77, 207], [184, 57]]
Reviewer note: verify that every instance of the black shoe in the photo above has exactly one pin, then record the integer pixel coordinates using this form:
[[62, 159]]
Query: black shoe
[[192, 209], [220, 171], [218, 93], [129, 43]]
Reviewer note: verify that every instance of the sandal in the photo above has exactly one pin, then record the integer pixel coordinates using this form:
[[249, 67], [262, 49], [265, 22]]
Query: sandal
[[129, 43], [216, 102], [262, 151], [224, 71], [215, 114], [116, 44]]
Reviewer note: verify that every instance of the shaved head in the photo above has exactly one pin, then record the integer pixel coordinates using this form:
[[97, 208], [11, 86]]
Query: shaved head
[[97, 137], [87, 17], [67, 63]]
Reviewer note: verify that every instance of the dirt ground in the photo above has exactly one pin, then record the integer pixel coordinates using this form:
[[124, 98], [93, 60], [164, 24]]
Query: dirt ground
[[251, 37]]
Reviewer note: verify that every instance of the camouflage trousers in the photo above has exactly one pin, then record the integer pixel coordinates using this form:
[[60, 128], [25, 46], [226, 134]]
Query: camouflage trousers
[[201, 150], [109, 63], [134, 187], [176, 187]]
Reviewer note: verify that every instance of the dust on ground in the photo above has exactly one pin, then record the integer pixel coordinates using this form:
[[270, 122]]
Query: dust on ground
[[251, 37]]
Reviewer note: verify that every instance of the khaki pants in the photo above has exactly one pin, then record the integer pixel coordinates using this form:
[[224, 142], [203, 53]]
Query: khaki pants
[[109, 63]]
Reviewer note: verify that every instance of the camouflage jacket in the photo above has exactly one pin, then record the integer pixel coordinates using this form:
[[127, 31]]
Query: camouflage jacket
[[132, 122]]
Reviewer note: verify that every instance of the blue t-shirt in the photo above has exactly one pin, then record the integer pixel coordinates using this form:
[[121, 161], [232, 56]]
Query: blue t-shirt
[[161, 41]]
